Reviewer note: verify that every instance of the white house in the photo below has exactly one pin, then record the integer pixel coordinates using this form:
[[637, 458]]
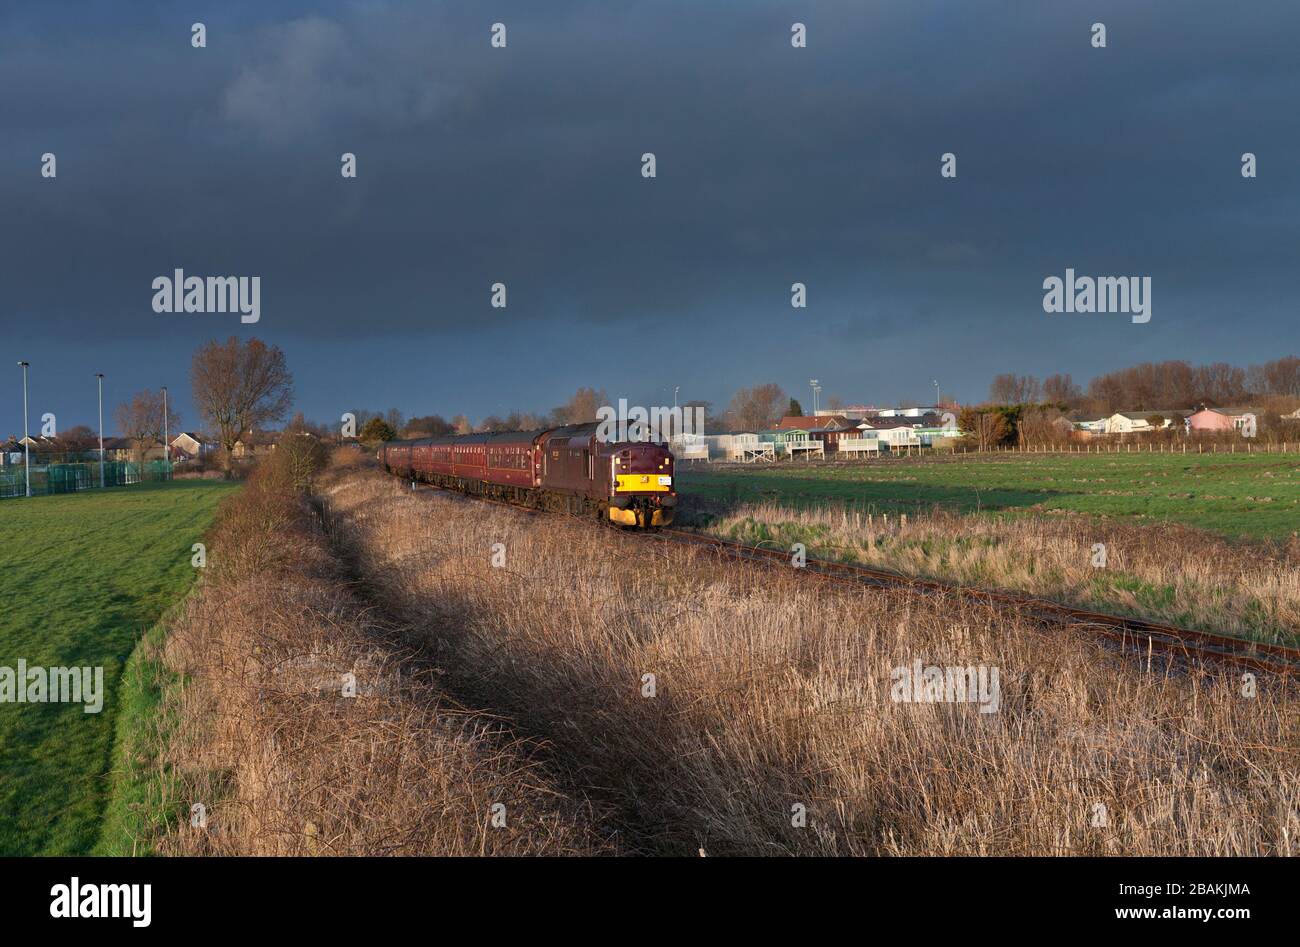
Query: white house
[[913, 412], [191, 445], [689, 446], [1139, 422]]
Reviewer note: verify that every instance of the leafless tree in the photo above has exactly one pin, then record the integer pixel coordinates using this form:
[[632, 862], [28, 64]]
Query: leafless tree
[[78, 439], [1015, 389], [582, 407], [757, 408], [140, 421], [1278, 377], [987, 425], [239, 386], [434, 425], [1061, 390]]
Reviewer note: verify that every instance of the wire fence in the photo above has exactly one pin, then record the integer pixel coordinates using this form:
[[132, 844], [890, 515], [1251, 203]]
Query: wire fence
[[70, 478]]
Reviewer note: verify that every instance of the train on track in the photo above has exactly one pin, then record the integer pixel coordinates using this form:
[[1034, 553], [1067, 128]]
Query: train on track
[[565, 469]]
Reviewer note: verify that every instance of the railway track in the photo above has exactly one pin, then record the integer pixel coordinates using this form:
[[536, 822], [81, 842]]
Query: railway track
[[1130, 634], [1134, 634]]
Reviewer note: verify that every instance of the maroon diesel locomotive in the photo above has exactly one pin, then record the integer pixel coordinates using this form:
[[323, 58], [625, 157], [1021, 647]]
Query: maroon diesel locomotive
[[566, 469]]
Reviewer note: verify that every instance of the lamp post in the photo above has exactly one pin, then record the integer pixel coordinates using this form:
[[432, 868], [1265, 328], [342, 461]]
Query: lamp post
[[816, 388], [936, 393], [676, 388], [167, 449], [99, 377], [27, 447]]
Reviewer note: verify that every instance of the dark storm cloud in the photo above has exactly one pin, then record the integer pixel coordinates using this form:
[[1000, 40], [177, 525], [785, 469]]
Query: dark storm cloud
[[522, 165]]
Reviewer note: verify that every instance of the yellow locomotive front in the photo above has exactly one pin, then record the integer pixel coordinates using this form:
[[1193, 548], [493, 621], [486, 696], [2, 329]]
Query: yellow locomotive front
[[642, 490]]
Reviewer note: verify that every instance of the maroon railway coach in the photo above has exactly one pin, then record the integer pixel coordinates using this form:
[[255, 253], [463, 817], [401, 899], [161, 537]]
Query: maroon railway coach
[[567, 469]]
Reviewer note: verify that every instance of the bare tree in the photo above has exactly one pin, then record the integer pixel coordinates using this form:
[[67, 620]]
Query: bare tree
[[434, 425], [1278, 377], [987, 425], [1041, 426], [78, 439], [1061, 390], [757, 408], [1014, 389], [239, 386], [582, 407], [141, 422]]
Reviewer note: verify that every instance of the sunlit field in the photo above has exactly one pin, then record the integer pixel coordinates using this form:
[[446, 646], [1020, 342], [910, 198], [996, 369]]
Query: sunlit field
[[1248, 495], [82, 576]]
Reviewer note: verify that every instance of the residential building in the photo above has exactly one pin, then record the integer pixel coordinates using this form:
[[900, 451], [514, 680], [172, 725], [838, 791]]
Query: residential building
[[189, 444], [1211, 420], [255, 443], [1142, 422]]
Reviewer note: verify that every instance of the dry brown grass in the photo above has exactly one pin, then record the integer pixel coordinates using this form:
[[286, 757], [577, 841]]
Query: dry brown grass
[[773, 691], [1187, 576], [285, 764]]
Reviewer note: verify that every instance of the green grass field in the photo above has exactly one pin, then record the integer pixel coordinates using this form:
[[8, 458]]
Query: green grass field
[[1256, 495], [82, 577]]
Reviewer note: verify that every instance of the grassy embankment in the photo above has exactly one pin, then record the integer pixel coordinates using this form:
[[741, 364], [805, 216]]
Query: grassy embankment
[[82, 577]]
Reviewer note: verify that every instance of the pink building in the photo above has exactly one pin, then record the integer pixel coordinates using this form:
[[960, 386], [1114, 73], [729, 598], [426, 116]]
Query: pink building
[[1213, 419]]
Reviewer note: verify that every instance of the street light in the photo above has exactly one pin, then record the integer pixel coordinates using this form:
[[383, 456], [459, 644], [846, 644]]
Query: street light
[[27, 447], [676, 388], [936, 393], [815, 389], [167, 450], [100, 379]]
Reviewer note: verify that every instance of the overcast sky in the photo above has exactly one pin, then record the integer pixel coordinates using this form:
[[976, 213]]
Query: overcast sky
[[522, 165]]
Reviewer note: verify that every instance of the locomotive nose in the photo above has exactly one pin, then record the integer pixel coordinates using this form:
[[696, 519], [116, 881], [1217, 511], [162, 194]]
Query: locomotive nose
[[642, 493]]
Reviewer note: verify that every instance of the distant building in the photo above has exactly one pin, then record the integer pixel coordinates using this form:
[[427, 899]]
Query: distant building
[[255, 443], [1088, 423], [123, 449], [1141, 422], [806, 422], [916, 411], [1212, 420], [189, 444]]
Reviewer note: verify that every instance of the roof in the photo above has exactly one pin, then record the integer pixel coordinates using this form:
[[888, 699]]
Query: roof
[[1226, 412], [1143, 415], [812, 422]]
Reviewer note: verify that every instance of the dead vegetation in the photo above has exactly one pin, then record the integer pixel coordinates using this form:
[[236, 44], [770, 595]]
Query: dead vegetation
[[772, 699], [1161, 572], [306, 725]]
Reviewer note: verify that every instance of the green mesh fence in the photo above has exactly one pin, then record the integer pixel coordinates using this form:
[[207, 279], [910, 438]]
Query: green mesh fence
[[69, 478]]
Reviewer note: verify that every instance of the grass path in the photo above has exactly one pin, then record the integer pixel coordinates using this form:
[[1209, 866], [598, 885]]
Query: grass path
[[82, 576]]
